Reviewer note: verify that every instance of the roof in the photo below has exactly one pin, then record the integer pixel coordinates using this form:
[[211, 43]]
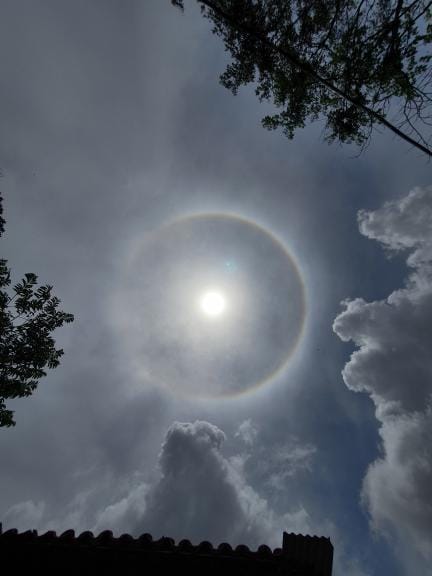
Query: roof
[[89, 554]]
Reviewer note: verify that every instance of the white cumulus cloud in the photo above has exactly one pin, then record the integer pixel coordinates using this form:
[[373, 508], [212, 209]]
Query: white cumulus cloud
[[393, 364], [201, 495]]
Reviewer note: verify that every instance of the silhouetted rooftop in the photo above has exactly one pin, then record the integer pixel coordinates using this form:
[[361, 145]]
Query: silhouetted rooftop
[[89, 554]]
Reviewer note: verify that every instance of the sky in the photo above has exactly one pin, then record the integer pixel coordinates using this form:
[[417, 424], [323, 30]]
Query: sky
[[251, 345]]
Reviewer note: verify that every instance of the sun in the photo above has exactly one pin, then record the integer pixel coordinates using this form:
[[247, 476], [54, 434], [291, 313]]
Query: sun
[[212, 303]]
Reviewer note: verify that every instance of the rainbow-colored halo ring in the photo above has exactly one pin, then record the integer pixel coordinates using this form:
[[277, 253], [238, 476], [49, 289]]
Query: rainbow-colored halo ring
[[169, 341]]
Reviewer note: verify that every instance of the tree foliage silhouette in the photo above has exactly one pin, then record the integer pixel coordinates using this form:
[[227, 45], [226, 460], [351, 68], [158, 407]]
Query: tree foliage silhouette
[[28, 315], [356, 63]]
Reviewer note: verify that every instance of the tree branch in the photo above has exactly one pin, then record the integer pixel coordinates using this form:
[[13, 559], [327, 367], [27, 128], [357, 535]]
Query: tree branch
[[310, 71]]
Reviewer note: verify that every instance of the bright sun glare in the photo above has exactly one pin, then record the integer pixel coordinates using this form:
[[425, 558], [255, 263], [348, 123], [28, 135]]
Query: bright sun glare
[[212, 303]]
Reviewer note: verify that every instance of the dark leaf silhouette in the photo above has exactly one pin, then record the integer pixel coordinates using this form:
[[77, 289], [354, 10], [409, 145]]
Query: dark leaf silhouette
[[28, 315], [357, 64]]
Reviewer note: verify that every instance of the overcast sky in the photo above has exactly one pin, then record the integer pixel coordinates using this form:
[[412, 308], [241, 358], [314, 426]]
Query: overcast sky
[[305, 405]]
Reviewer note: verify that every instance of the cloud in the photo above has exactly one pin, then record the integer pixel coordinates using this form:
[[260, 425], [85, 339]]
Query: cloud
[[393, 364], [124, 513], [287, 461], [24, 515], [276, 466], [398, 487], [201, 495], [247, 432]]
